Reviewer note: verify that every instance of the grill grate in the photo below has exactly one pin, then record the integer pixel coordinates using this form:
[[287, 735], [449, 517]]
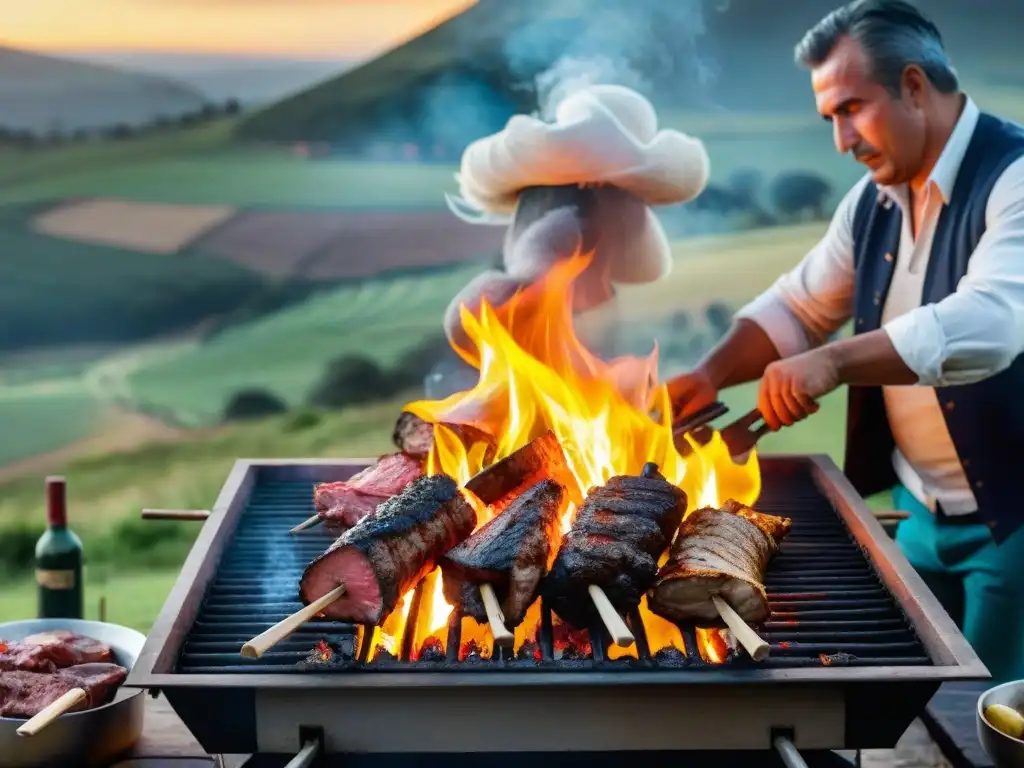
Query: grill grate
[[828, 606]]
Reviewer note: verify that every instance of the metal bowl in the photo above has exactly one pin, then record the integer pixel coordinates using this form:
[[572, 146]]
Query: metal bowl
[[1004, 751], [93, 737]]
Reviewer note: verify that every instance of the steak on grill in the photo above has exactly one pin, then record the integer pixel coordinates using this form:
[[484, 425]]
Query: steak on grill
[[25, 694], [49, 651], [511, 552], [616, 539], [344, 503], [718, 552], [390, 550]]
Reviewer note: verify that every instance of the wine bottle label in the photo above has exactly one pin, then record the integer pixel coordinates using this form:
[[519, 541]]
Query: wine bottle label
[[50, 579]]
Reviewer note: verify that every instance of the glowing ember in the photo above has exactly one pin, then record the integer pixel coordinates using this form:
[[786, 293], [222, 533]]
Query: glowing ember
[[535, 375], [322, 651]]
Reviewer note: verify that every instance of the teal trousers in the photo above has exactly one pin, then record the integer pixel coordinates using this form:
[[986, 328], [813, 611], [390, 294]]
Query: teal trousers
[[980, 584]]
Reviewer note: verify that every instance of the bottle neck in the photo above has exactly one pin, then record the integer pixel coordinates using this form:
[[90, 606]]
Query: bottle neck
[[56, 503]]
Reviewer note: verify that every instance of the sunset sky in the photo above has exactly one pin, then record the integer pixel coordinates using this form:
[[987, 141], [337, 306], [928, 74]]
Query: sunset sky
[[300, 28]]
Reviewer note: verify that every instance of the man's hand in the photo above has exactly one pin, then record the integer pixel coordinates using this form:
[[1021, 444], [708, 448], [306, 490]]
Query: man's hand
[[790, 388], [690, 392]]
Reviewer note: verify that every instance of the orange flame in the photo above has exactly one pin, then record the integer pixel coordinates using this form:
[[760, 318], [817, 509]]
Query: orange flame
[[536, 375]]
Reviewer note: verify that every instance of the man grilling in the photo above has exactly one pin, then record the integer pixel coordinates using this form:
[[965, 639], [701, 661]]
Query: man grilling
[[926, 256]]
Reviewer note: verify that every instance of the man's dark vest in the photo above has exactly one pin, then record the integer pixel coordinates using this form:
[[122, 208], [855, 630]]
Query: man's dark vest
[[986, 419]]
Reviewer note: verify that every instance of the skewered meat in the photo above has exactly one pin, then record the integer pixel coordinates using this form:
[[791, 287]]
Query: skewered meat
[[541, 458], [718, 552], [25, 694], [344, 503], [49, 651], [389, 551], [618, 535], [512, 552], [415, 436]]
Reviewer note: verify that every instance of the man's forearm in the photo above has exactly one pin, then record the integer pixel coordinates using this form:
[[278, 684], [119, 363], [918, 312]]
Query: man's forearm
[[868, 360], [741, 356]]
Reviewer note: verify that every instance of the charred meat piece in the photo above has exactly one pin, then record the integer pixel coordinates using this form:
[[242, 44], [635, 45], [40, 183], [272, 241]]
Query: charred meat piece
[[25, 694], [511, 552], [344, 503], [718, 552], [390, 550], [616, 539], [541, 458], [415, 436], [49, 651]]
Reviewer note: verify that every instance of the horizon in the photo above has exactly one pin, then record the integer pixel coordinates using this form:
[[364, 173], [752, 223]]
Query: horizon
[[288, 30]]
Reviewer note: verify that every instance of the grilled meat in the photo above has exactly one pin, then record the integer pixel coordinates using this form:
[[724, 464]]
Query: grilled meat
[[718, 552], [511, 552], [415, 436], [25, 694], [500, 483], [344, 503], [49, 651], [390, 550], [617, 537]]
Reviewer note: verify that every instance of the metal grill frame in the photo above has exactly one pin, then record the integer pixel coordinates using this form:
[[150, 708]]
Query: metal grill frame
[[866, 690], [952, 657]]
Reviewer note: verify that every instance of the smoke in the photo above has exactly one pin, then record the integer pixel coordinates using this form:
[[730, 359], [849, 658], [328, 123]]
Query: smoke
[[652, 46]]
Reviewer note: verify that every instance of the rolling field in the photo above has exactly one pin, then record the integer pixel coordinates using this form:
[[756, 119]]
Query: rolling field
[[286, 351], [35, 421]]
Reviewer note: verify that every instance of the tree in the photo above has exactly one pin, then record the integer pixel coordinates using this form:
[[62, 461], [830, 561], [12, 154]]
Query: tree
[[719, 318], [253, 404], [797, 193], [350, 380]]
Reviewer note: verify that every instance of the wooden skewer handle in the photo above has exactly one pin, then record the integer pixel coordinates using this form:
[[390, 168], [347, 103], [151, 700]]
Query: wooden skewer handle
[[752, 643], [308, 523], [306, 756], [286, 627], [175, 514], [495, 617], [612, 621], [52, 711]]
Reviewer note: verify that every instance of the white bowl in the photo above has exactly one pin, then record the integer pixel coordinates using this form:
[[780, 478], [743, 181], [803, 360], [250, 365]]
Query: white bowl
[[1004, 751]]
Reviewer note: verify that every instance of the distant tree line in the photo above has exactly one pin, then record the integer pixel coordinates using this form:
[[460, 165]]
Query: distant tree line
[[347, 380], [747, 202], [19, 138]]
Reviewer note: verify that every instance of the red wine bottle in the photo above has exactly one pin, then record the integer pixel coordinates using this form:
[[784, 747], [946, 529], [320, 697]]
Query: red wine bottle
[[58, 559]]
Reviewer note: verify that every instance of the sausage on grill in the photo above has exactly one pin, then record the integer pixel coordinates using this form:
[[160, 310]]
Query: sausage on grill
[[390, 550], [617, 537], [718, 552], [511, 552]]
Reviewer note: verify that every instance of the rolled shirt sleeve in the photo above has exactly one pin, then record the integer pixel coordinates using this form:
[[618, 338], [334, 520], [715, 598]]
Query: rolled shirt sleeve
[[812, 301], [977, 331]]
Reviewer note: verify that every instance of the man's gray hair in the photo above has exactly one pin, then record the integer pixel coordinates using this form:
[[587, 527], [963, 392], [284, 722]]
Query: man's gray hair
[[894, 35]]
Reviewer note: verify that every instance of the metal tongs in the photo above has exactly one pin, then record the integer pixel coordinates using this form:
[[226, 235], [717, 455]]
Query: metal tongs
[[739, 437]]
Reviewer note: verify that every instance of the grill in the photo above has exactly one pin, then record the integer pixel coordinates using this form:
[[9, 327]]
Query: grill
[[858, 646]]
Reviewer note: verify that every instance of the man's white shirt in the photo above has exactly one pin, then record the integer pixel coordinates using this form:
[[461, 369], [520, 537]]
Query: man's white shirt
[[972, 334]]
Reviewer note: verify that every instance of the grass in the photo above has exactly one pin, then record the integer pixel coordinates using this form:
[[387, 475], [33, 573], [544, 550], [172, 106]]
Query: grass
[[285, 352], [259, 178], [387, 317], [132, 599], [32, 423], [59, 292]]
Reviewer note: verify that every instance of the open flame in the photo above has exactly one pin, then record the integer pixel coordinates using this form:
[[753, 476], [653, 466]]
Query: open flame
[[536, 375]]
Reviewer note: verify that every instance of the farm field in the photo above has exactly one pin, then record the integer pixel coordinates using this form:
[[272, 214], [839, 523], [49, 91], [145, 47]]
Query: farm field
[[286, 351], [36, 421]]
